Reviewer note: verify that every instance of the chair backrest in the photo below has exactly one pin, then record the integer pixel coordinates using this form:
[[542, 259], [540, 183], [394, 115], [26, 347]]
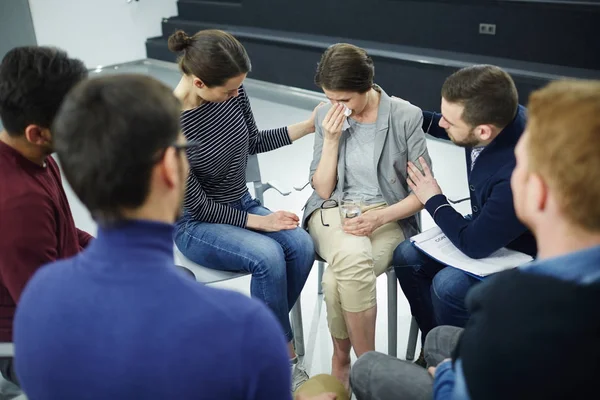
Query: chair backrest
[[253, 170]]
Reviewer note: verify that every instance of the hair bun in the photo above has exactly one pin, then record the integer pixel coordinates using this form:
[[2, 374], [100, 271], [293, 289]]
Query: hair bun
[[179, 41]]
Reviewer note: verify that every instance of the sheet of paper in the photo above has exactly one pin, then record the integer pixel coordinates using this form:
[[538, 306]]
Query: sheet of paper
[[435, 243]]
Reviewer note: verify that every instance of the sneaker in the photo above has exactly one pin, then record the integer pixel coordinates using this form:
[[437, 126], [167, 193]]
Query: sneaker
[[421, 360], [299, 375]]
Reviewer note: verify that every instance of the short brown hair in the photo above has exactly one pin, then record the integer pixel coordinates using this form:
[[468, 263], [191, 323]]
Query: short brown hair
[[564, 146], [212, 55], [345, 68], [487, 93]]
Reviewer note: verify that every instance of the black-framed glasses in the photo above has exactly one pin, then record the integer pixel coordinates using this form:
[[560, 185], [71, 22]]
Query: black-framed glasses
[[177, 146], [327, 204]]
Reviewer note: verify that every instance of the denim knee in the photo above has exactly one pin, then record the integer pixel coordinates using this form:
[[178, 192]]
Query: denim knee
[[444, 285], [304, 245], [407, 255], [178, 233], [268, 258], [450, 286]]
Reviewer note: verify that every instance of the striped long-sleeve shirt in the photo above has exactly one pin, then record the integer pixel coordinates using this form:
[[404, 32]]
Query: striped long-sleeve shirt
[[228, 134]]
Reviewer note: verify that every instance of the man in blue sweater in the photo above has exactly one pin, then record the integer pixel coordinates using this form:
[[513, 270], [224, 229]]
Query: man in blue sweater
[[120, 321], [480, 112], [534, 332]]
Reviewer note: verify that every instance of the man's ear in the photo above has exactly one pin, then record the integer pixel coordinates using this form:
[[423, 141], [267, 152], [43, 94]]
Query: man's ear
[[37, 135], [538, 192], [170, 167], [484, 132]]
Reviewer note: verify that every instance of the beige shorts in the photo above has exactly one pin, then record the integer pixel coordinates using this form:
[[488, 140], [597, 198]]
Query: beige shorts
[[354, 264]]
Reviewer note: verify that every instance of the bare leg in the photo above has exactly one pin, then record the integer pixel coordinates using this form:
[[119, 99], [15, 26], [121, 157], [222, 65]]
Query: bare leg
[[361, 328], [340, 362]]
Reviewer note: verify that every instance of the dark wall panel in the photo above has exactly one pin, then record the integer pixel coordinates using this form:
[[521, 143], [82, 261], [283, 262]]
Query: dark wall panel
[[294, 66], [558, 34], [418, 83]]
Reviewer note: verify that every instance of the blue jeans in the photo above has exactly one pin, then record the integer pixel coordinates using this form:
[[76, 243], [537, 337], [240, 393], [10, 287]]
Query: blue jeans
[[436, 293], [278, 261]]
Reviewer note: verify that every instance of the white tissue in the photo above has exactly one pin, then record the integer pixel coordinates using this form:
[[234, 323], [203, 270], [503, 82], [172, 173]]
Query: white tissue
[[347, 111]]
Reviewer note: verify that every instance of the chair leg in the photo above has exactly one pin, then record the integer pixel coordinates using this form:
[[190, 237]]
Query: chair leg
[[413, 334], [392, 313], [321, 266], [258, 192], [298, 328]]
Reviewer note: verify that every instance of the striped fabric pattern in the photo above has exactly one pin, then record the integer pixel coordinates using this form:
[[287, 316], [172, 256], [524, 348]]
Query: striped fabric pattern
[[228, 134]]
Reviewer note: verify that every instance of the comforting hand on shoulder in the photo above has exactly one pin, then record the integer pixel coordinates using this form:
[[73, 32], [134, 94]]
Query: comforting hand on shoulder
[[311, 121], [303, 128], [423, 184]]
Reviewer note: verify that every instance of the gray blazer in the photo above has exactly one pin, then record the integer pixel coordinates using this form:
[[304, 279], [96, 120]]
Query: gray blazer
[[399, 139]]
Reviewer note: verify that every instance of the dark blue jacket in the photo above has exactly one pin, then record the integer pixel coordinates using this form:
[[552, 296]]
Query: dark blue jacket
[[494, 224]]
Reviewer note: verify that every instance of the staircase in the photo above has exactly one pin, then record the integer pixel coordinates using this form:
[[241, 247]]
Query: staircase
[[285, 51]]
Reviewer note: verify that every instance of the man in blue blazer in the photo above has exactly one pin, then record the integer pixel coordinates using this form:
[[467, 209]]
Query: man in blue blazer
[[480, 112]]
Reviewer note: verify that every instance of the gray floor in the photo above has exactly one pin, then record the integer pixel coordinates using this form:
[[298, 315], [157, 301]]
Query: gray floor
[[276, 106]]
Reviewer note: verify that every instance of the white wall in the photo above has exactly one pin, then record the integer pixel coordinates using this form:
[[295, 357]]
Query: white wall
[[100, 32]]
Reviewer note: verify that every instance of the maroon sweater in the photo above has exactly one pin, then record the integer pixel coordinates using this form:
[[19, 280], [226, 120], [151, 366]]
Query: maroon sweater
[[36, 226]]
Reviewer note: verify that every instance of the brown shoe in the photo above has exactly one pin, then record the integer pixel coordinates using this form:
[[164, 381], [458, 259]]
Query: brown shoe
[[421, 360]]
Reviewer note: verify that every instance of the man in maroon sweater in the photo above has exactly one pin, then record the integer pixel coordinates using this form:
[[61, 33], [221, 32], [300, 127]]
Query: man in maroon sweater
[[36, 225]]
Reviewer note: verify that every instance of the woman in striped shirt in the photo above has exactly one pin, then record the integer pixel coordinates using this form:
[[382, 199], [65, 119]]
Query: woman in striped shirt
[[223, 227]]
